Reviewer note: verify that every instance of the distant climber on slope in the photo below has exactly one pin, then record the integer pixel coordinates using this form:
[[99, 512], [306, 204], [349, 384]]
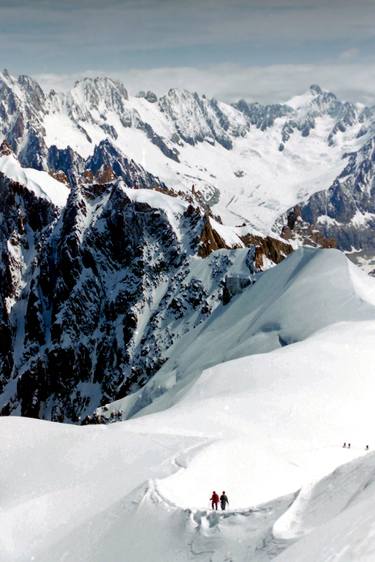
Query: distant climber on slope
[[223, 501], [214, 500]]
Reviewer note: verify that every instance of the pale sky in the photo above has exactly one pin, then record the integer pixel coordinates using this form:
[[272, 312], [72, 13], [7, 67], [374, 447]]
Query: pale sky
[[265, 50]]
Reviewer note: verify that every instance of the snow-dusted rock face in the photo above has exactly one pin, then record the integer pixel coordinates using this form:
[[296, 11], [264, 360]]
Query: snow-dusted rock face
[[107, 156], [352, 192], [100, 280], [345, 212], [24, 221], [197, 119], [22, 111]]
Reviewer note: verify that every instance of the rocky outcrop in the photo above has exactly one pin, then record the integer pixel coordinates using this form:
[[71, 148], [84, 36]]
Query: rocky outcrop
[[108, 163], [262, 116], [93, 295], [345, 212], [197, 119], [22, 111], [24, 221], [304, 233], [210, 240], [267, 249]]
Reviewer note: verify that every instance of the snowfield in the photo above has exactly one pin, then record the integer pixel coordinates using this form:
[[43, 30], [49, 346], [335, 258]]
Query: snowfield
[[259, 160], [257, 401], [40, 183]]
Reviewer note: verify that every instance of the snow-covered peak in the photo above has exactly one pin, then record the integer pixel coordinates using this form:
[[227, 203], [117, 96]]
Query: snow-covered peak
[[301, 100], [34, 93], [100, 93], [316, 89], [9, 87], [253, 161], [27, 91], [319, 102], [312, 96], [197, 118], [7, 78], [40, 183]]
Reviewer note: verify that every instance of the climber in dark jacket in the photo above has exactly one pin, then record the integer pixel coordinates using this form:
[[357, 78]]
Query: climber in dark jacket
[[223, 500], [214, 500]]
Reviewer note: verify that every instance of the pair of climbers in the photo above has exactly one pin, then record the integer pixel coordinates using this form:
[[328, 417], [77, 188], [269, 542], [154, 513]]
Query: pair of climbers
[[214, 499]]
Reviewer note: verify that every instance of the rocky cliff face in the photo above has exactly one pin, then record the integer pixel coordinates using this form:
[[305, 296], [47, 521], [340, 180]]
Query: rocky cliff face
[[25, 221], [344, 213], [95, 293], [22, 112]]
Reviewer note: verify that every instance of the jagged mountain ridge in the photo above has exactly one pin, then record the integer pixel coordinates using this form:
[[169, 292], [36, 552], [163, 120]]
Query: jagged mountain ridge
[[96, 290], [163, 145], [346, 211], [252, 162]]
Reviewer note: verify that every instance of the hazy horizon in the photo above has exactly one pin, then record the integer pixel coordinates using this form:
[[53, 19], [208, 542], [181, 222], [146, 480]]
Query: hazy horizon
[[265, 50]]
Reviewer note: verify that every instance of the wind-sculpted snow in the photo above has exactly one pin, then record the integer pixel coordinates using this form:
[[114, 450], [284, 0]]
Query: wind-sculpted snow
[[267, 428], [310, 290], [39, 182], [333, 518]]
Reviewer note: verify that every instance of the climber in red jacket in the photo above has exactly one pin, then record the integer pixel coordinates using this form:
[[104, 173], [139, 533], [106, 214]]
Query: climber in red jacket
[[214, 500]]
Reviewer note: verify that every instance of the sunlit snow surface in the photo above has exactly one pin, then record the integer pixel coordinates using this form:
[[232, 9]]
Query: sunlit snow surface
[[259, 425], [257, 182], [40, 183]]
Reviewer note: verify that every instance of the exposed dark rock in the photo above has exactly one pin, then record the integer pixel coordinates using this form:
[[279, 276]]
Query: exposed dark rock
[[107, 157], [270, 248], [346, 211]]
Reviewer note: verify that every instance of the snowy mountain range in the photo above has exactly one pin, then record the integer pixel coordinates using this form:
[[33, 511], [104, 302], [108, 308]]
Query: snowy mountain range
[[111, 201], [162, 266], [252, 162]]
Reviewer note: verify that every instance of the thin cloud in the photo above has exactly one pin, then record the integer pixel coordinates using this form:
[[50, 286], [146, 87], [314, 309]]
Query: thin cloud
[[349, 54], [228, 82], [63, 27]]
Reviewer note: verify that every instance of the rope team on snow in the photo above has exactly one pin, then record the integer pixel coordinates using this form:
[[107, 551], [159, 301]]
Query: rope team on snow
[[214, 499]]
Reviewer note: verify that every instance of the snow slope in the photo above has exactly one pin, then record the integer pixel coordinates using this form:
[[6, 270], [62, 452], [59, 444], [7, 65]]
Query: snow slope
[[308, 291], [333, 518], [39, 182], [259, 425]]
